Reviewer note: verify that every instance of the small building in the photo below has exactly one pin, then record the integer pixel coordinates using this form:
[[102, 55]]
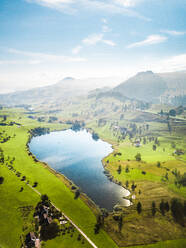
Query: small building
[[37, 243], [137, 143], [63, 222]]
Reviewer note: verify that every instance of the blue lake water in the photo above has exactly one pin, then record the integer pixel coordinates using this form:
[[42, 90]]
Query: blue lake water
[[78, 156]]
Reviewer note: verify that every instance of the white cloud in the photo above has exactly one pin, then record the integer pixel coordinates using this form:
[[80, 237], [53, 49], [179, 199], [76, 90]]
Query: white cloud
[[93, 39], [97, 38], [173, 63], [173, 32], [150, 40], [128, 3], [109, 42], [76, 49], [45, 57], [106, 29], [108, 6], [19, 62]]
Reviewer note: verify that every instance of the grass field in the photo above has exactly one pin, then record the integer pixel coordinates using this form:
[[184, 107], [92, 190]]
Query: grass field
[[48, 183], [153, 183], [137, 229], [180, 243]]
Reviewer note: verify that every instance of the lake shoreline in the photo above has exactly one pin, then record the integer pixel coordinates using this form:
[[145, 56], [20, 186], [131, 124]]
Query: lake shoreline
[[68, 182], [87, 200]]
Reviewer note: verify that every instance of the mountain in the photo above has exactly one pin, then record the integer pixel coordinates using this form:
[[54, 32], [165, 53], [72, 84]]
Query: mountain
[[153, 87], [175, 80], [66, 89], [145, 86]]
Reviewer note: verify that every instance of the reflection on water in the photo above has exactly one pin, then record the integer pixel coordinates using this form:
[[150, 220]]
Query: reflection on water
[[78, 156]]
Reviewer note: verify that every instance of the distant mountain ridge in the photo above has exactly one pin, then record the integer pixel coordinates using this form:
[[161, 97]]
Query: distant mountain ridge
[[149, 86], [144, 86], [64, 90]]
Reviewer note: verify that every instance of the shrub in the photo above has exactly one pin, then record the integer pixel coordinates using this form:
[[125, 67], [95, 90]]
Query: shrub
[[1, 180], [139, 207], [138, 157]]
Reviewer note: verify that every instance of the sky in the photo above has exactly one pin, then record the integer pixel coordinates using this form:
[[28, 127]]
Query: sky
[[43, 41]]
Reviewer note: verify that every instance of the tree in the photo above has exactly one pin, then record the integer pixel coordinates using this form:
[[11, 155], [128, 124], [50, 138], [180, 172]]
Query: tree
[[79, 237], [154, 147], [167, 176], [49, 231], [139, 207], [172, 112], [95, 136], [119, 169], [167, 206], [96, 228], [1, 180], [77, 194], [162, 207], [120, 223], [177, 209], [127, 183], [127, 169], [35, 184], [138, 157], [100, 222], [153, 208], [44, 198], [1, 156], [158, 164], [133, 186]]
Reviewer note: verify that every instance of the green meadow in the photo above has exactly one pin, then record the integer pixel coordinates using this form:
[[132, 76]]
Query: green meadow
[[48, 183], [152, 185], [153, 178]]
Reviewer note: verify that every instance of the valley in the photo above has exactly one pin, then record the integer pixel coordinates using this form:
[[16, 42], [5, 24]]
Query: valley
[[148, 159]]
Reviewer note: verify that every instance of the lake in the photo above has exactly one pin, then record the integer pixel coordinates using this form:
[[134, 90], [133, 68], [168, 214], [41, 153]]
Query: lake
[[78, 156]]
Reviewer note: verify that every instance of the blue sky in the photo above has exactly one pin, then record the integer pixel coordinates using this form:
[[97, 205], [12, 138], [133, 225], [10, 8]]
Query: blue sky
[[42, 41]]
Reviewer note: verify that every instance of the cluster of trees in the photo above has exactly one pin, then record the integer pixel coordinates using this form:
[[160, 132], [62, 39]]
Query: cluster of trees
[[2, 159], [39, 131], [173, 112], [95, 136], [119, 219], [77, 125], [52, 119], [180, 179], [127, 169], [177, 208], [164, 207], [3, 137], [41, 119], [47, 230], [99, 223]]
